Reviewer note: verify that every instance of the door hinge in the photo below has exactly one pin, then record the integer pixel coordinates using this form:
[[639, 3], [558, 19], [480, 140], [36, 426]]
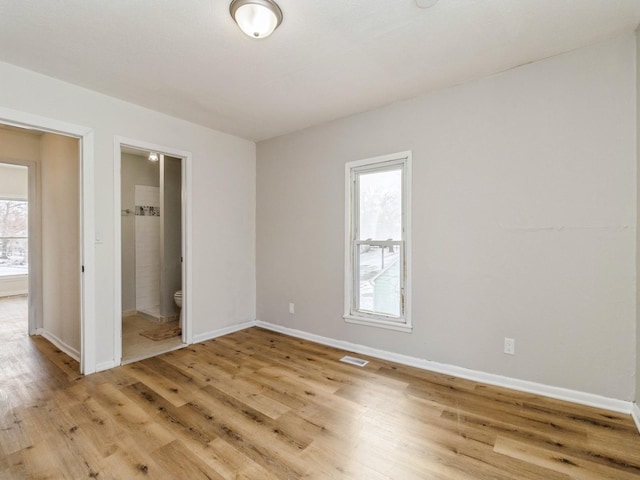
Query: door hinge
[[82, 268]]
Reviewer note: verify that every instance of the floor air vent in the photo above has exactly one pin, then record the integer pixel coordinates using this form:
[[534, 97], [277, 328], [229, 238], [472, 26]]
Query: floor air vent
[[354, 361]]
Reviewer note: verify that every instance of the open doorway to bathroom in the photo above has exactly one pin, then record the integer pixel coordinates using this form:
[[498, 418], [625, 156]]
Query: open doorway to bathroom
[[151, 212]]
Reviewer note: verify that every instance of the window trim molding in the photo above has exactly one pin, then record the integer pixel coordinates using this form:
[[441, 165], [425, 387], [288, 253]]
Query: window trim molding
[[404, 158]]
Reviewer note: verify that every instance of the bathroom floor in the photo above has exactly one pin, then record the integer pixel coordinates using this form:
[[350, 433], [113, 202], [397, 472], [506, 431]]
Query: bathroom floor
[[136, 347]]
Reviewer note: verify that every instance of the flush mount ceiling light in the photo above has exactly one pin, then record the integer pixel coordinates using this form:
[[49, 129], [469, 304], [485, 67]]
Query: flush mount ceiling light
[[153, 157], [256, 18]]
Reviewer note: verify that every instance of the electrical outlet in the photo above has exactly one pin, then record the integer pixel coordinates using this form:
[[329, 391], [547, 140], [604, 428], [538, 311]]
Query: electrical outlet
[[509, 346], [292, 308]]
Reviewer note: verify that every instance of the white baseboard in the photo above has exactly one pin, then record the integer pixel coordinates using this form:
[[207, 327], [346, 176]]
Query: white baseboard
[[201, 337], [635, 414], [72, 352], [13, 285], [574, 396], [101, 367]]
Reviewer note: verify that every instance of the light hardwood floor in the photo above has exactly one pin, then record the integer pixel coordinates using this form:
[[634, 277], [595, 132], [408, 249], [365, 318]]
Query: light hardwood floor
[[260, 405]]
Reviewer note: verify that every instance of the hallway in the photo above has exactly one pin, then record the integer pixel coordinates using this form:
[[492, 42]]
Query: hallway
[[33, 361], [14, 313]]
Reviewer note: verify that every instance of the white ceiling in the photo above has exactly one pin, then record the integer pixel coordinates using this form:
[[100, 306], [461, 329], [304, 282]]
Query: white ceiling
[[328, 59]]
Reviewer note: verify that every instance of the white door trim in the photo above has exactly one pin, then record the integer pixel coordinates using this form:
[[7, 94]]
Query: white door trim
[[87, 221], [187, 328]]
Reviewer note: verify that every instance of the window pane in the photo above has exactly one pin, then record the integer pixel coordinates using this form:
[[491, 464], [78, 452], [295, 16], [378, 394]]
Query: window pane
[[379, 279], [381, 205], [13, 237]]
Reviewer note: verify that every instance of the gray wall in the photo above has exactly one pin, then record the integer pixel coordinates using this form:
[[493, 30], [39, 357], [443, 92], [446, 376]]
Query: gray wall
[[171, 241], [524, 207], [135, 170]]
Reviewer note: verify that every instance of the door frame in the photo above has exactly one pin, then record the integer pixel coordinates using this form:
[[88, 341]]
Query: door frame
[[186, 157], [87, 276]]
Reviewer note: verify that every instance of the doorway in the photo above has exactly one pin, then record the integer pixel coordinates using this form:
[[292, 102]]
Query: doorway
[[84, 137], [152, 280], [41, 251]]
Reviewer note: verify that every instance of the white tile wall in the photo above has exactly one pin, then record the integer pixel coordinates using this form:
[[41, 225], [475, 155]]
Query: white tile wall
[[147, 231]]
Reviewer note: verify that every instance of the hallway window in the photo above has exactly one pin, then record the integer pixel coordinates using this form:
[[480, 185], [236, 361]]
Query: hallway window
[[377, 242], [13, 237]]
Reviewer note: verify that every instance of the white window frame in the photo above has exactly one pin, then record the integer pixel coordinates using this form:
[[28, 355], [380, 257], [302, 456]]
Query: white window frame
[[351, 313]]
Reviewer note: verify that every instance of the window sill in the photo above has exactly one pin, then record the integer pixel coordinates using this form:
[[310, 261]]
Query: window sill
[[400, 327], [13, 276]]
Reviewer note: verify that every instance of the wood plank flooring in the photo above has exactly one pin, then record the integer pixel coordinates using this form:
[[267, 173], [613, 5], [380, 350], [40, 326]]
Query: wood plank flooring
[[260, 405]]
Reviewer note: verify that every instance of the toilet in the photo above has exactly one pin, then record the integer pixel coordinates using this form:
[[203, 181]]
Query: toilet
[[177, 297]]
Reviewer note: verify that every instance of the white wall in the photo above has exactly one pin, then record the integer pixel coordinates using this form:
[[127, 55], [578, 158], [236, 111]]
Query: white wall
[[60, 167], [222, 196], [523, 222]]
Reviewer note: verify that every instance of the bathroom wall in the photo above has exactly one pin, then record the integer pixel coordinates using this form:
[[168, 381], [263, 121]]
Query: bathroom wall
[[148, 284], [147, 249], [171, 235], [60, 167], [135, 169]]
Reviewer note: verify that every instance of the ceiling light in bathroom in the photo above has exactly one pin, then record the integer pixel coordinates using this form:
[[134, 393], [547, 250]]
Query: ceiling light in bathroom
[[153, 157]]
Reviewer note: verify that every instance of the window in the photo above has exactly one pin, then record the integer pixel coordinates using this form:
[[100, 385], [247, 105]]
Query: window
[[377, 267], [13, 238]]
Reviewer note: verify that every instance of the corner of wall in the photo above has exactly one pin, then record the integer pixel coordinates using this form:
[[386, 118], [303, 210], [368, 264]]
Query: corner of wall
[[637, 286]]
